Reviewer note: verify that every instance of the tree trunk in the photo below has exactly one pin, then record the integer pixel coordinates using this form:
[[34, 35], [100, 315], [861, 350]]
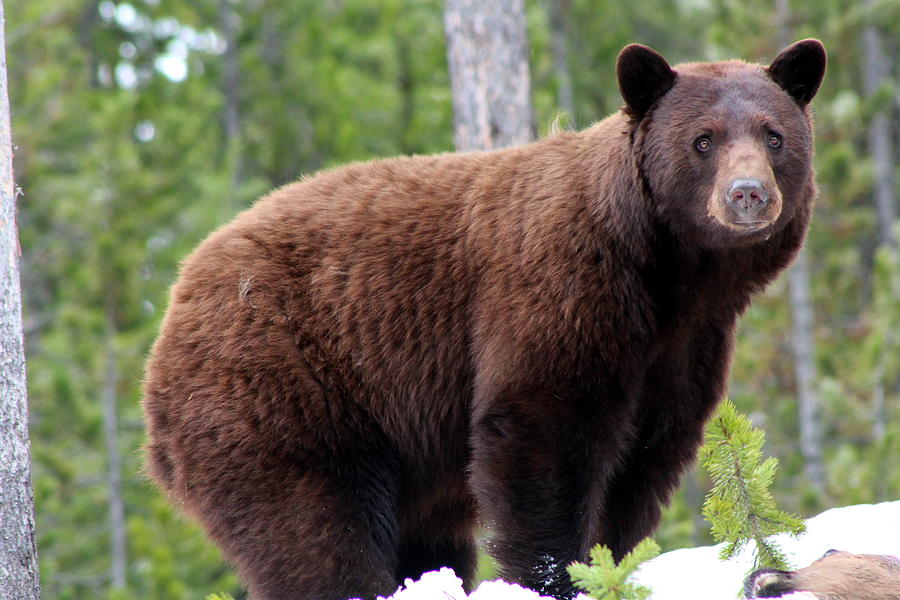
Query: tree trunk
[[18, 553], [803, 346], [114, 458], [802, 338], [86, 24], [487, 52], [228, 23], [876, 69], [560, 44], [407, 89]]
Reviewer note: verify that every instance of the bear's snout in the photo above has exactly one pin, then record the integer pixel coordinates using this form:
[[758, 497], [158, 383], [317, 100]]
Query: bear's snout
[[836, 576], [768, 583], [747, 197]]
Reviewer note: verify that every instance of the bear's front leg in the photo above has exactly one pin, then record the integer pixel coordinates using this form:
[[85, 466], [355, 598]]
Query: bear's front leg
[[681, 389], [539, 468]]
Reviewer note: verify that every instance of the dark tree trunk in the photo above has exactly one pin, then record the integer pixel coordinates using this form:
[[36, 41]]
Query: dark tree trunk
[[18, 553], [487, 52], [407, 93]]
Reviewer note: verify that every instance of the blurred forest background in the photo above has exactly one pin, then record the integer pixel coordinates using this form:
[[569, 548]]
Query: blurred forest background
[[141, 126]]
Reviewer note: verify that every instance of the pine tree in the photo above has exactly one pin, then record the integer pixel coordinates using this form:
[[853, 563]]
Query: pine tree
[[603, 579], [740, 506]]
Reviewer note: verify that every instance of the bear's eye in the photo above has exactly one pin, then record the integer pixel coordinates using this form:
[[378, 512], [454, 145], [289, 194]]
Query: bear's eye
[[774, 140], [703, 144]]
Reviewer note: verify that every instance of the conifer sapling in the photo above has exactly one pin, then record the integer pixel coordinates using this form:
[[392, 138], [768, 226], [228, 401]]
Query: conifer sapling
[[740, 506], [603, 579]]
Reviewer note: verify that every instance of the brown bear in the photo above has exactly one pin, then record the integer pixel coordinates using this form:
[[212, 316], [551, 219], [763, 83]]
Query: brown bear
[[368, 363], [836, 576]]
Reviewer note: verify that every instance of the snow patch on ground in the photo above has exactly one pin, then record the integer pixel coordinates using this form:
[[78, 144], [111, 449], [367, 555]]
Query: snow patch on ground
[[445, 585], [862, 529], [697, 573]]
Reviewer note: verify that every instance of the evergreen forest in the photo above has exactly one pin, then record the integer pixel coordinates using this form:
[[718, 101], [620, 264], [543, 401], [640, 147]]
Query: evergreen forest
[[140, 126]]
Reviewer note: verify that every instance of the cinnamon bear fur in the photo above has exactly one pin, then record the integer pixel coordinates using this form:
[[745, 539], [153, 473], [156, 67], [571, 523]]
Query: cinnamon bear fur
[[370, 361], [835, 576]]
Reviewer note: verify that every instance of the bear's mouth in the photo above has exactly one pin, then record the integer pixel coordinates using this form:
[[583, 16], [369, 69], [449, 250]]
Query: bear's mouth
[[750, 225], [742, 229]]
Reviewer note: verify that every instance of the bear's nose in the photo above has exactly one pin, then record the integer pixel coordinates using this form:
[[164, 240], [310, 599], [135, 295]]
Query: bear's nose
[[747, 197]]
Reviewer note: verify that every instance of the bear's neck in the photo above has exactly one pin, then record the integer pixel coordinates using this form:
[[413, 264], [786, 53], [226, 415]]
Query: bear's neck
[[620, 209]]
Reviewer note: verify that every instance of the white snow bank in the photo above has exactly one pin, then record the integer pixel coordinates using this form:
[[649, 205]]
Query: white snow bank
[[862, 529], [697, 573], [445, 585]]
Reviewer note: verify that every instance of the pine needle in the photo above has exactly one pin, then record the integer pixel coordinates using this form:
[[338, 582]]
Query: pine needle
[[603, 579]]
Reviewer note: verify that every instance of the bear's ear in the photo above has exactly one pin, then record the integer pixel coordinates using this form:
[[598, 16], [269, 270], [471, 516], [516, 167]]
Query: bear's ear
[[644, 76], [799, 69]]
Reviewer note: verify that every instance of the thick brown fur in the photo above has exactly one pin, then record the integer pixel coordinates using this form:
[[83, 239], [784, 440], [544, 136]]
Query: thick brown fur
[[366, 362], [835, 576]]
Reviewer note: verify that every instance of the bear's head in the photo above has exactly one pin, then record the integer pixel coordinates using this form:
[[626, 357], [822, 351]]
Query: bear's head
[[724, 149], [835, 576]]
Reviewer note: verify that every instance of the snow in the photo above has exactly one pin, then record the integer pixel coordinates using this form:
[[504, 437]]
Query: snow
[[445, 585], [862, 529], [697, 573]]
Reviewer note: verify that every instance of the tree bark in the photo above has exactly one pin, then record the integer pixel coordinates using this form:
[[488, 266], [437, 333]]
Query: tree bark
[[802, 337], [18, 553], [487, 52], [118, 556]]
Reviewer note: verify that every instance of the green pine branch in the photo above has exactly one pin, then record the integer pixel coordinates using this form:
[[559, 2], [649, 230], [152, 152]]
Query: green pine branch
[[740, 506], [603, 579]]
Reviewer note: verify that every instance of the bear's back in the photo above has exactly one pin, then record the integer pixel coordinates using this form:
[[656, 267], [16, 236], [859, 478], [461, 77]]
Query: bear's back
[[380, 286], [357, 282]]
